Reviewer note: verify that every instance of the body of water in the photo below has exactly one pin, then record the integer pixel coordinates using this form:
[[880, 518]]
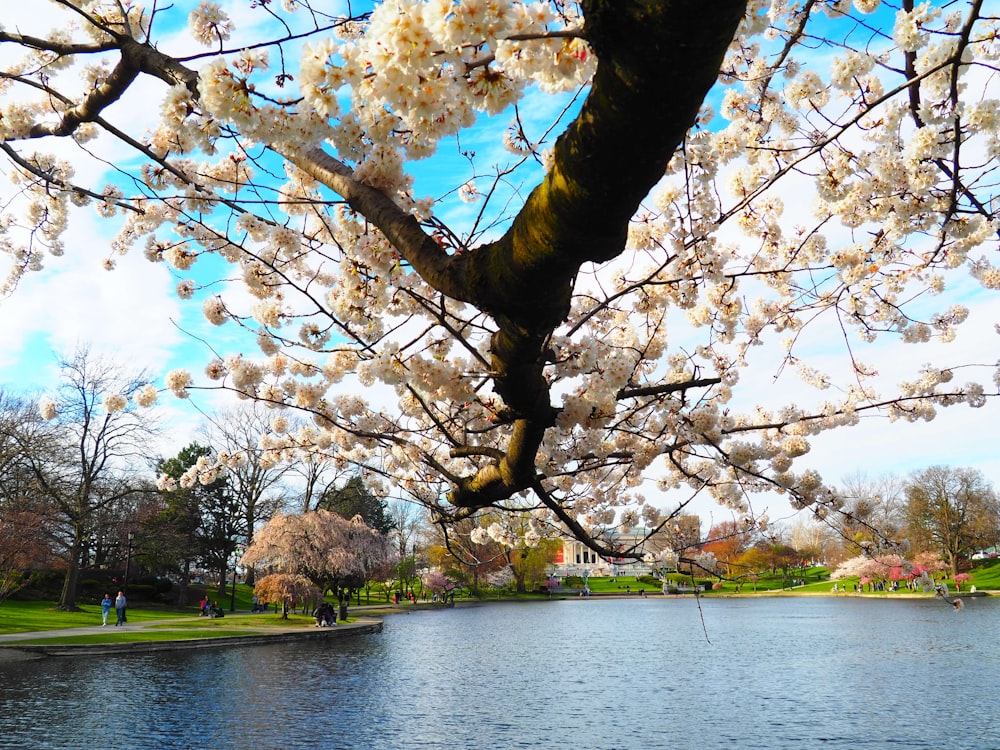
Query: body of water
[[597, 674]]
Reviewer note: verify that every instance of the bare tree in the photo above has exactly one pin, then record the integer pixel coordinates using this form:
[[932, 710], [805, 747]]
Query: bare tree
[[874, 509], [101, 444], [408, 524], [255, 481], [318, 475], [952, 511]]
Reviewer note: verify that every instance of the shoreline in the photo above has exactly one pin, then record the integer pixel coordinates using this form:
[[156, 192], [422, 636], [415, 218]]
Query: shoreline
[[13, 652], [368, 622]]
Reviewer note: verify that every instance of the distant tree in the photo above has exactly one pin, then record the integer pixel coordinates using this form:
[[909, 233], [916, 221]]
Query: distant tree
[[405, 573], [331, 551], [528, 546], [314, 474], [464, 551], [254, 473], [874, 510], [289, 590], [354, 498], [407, 522], [877, 568], [192, 520], [102, 440], [26, 521], [815, 541], [501, 579], [530, 564], [727, 541], [952, 512], [777, 556], [753, 564], [436, 582], [24, 545], [929, 562]]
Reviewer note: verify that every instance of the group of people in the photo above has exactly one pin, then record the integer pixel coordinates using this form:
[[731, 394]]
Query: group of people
[[210, 608], [326, 616], [119, 603]]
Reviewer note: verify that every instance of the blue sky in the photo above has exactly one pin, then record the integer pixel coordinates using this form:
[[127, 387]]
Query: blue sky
[[133, 315]]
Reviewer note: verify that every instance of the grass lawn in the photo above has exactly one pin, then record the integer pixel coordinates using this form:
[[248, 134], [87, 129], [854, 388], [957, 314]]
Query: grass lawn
[[20, 617], [813, 580], [985, 575]]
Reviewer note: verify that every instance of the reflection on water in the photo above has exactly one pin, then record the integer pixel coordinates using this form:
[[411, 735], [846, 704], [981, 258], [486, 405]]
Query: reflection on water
[[782, 674]]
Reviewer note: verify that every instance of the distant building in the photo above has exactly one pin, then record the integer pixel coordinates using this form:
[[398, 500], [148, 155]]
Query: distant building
[[577, 559]]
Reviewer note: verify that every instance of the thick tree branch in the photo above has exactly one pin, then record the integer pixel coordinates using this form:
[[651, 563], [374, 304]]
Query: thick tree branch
[[657, 59]]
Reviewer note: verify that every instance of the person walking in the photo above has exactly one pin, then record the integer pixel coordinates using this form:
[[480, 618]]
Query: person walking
[[120, 605], [106, 603]]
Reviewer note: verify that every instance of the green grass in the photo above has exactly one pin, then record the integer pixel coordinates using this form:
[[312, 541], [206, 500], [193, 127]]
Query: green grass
[[255, 621], [985, 577], [27, 617], [617, 585], [21, 617]]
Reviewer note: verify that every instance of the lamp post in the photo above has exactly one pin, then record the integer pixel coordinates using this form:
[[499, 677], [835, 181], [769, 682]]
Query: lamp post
[[128, 559], [232, 596]]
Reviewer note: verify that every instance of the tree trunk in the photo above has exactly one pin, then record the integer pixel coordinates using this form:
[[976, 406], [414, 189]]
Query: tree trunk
[[182, 591], [67, 599]]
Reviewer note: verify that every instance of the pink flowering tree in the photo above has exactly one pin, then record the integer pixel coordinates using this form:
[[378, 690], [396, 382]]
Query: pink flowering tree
[[566, 314], [331, 551], [877, 568], [502, 579], [290, 590], [929, 562], [436, 581]]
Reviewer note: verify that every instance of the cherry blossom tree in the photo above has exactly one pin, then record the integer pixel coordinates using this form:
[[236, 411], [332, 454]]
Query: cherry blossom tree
[[436, 581], [878, 568], [330, 550], [584, 323], [291, 590]]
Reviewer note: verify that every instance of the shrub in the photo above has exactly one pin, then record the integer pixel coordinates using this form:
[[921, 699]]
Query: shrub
[[141, 591], [42, 585]]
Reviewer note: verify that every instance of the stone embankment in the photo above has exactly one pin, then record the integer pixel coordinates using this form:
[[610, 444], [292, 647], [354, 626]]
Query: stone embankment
[[14, 649]]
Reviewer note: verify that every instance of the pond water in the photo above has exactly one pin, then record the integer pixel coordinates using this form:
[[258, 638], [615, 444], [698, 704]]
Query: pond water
[[776, 673]]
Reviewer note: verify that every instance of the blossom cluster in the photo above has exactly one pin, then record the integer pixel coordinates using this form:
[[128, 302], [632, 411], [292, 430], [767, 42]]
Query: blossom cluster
[[724, 259]]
